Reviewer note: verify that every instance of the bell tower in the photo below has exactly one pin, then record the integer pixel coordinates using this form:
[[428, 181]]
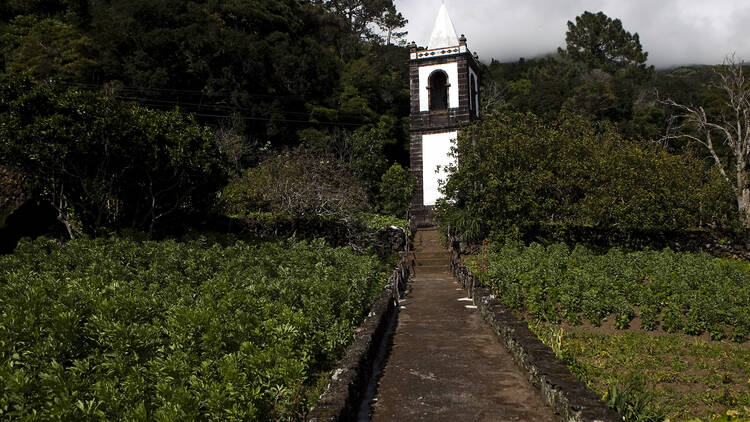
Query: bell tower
[[444, 79]]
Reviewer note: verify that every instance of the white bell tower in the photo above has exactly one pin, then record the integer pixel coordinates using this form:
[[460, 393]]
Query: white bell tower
[[444, 97]]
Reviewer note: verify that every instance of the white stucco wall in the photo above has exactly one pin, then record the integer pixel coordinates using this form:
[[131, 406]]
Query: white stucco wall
[[451, 69], [435, 150]]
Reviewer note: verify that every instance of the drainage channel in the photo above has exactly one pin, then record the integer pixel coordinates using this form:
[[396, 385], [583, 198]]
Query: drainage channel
[[381, 358]]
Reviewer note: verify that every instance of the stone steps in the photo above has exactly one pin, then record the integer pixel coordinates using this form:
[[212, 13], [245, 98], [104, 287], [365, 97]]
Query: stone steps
[[427, 262]]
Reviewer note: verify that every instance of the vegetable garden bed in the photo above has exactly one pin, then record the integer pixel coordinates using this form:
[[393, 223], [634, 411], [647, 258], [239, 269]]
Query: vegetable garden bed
[[672, 376], [650, 330], [121, 329], [676, 292]]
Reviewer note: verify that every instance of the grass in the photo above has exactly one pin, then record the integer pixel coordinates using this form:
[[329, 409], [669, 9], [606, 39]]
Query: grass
[[684, 377]]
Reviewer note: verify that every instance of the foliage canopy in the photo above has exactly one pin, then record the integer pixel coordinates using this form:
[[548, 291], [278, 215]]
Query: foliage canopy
[[517, 172], [104, 164], [601, 42]]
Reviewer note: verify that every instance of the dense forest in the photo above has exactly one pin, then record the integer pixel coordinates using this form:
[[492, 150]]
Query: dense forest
[[206, 95], [134, 114]]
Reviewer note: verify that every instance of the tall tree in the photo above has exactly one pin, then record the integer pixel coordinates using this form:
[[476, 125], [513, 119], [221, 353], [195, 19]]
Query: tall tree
[[602, 43], [390, 21], [48, 48], [613, 67], [731, 129], [360, 15]]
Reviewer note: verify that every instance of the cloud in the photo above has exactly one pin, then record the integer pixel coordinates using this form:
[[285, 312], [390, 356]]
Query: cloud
[[673, 32]]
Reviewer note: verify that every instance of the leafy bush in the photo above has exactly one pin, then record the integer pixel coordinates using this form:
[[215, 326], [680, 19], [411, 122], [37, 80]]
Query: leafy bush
[[624, 313], [518, 172], [649, 317], [363, 151], [104, 164], [124, 330], [672, 319], [377, 221], [693, 293], [367, 156], [298, 184], [395, 191]]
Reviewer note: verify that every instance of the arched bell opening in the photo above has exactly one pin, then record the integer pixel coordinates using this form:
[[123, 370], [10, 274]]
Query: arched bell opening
[[437, 84]]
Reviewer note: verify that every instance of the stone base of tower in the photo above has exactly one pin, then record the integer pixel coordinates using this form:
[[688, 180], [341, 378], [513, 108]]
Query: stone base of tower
[[424, 216]]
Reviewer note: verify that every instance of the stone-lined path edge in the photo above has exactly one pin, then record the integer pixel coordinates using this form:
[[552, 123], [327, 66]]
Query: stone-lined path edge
[[352, 374], [566, 394]]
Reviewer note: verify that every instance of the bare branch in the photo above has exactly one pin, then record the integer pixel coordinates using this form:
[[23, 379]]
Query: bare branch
[[693, 123]]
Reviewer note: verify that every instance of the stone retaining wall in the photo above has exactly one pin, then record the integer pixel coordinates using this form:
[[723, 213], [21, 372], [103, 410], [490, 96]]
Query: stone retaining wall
[[568, 397]]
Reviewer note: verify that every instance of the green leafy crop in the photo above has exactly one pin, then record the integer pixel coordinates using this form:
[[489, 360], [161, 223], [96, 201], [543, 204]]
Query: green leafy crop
[[116, 329], [682, 292]]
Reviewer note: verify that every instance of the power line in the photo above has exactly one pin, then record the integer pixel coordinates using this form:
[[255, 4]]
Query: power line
[[280, 120], [216, 107], [187, 91], [267, 119]]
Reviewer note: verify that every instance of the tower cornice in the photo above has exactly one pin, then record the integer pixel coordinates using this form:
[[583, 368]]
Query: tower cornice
[[424, 54]]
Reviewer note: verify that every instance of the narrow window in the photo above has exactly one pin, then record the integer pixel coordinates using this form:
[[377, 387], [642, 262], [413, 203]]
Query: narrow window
[[474, 95], [438, 86]]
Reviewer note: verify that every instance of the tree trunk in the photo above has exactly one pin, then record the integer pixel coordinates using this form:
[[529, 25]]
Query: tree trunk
[[64, 216], [743, 192], [743, 202]]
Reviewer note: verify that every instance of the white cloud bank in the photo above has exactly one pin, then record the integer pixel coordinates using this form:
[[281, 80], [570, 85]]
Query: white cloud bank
[[673, 32]]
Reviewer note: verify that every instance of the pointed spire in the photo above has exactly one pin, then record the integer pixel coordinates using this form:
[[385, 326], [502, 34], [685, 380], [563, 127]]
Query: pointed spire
[[444, 33]]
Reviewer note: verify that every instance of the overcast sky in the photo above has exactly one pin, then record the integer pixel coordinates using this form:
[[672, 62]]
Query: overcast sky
[[673, 32]]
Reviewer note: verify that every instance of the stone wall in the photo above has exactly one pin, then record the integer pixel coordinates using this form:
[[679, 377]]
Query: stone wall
[[351, 376]]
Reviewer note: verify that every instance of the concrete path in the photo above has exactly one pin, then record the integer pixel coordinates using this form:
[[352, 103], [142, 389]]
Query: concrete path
[[446, 363]]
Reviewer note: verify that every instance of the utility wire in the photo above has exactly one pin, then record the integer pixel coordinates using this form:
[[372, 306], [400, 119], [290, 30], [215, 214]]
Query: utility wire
[[267, 119], [188, 91], [215, 107], [280, 120]]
